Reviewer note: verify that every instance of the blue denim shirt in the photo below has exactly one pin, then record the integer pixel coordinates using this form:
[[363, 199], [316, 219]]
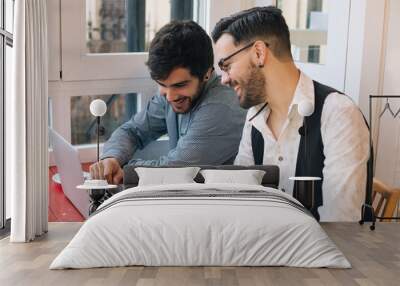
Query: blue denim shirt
[[208, 134]]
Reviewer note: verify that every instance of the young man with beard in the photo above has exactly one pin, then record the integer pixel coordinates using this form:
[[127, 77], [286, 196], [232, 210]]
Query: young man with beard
[[253, 48], [192, 107]]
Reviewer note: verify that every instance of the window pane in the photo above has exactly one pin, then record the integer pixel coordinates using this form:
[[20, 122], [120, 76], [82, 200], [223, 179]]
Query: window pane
[[50, 116], [1, 15], [308, 24], [50, 112], [9, 64], [120, 108], [9, 9], [114, 26]]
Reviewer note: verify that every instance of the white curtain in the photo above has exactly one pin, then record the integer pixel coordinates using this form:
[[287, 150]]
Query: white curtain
[[26, 127]]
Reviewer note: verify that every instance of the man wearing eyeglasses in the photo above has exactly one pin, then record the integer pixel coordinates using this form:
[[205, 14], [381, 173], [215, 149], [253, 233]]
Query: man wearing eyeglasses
[[254, 52], [192, 107]]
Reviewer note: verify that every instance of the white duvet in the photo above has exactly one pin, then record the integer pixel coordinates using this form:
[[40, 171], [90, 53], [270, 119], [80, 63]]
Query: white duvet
[[183, 231]]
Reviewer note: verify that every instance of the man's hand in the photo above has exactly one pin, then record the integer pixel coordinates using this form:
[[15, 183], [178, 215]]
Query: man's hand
[[108, 169]]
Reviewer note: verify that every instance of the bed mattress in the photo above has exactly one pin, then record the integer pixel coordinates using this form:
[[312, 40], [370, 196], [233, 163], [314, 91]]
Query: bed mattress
[[201, 225]]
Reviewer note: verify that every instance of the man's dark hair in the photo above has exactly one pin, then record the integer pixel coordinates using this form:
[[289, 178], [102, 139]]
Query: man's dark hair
[[259, 23], [180, 44]]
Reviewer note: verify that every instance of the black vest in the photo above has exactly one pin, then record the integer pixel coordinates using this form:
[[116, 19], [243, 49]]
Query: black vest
[[316, 157]]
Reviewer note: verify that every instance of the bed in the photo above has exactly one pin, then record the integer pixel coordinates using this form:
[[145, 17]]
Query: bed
[[201, 224]]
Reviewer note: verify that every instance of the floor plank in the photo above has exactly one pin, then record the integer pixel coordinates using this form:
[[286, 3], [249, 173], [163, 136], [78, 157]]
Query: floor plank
[[374, 255]]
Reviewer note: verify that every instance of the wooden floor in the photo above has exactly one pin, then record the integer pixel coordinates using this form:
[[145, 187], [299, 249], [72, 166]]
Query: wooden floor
[[374, 255]]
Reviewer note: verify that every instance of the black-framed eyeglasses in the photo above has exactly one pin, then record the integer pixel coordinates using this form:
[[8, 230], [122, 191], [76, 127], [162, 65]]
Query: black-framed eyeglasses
[[221, 62]]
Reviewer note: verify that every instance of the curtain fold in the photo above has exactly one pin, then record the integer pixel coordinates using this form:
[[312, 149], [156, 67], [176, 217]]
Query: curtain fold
[[26, 127]]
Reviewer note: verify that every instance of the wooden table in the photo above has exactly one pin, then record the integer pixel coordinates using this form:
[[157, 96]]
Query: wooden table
[[374, 255]]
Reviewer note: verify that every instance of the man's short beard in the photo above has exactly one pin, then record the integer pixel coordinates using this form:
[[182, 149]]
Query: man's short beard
[[196, 97], [253, 89]]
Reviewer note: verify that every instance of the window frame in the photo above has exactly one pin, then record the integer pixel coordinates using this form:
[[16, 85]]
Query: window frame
[[6, 40], [336, 48], [78, 65], [2, 93], [73, 72]]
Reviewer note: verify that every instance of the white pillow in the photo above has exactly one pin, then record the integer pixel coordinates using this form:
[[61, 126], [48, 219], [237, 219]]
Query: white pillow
[[165, 176], [248, 177]]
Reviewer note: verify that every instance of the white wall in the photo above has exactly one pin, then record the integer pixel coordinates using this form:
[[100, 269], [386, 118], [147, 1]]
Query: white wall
[[388, 151], [365, 47], [373, 61]]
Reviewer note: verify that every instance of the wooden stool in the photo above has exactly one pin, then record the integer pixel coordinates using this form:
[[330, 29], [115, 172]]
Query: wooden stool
[[389, 198]]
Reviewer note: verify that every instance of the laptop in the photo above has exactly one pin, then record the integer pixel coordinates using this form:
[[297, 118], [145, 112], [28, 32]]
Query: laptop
[[70, 170]]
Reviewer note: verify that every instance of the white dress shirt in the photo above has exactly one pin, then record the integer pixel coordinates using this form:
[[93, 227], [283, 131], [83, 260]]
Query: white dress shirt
[[346, 148]]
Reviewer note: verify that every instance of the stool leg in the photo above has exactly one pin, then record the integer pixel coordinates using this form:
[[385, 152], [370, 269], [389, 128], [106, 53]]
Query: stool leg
[[391, 203]]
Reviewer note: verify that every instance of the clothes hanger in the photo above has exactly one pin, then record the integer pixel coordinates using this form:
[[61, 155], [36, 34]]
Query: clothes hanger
[[397, 113], [387, 107]]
